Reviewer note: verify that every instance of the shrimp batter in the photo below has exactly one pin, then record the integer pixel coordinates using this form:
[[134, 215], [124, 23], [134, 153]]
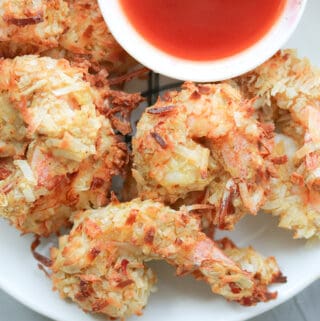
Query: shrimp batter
[[265, 270], [297, 207], [31, 26], [88, 36], [204, 139], [57, 152], [286, 90], [100, 264], [69, 29]]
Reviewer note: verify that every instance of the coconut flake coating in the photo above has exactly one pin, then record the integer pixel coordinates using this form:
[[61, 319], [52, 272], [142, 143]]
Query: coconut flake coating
[[296, 206], [100, 264], [204, 139], [31, 26], [88, 35], [72, 29], [264, 269], [287, 90], [57, 153]]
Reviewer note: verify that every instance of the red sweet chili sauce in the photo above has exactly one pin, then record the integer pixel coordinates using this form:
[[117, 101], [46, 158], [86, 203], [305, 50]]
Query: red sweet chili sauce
[[203, 29]]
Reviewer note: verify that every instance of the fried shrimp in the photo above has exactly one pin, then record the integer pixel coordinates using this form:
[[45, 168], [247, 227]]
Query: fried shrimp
[[100, 264], [88, 36], [287, 90], [205, 139], [57, 152], [297, 207], [30, 26]]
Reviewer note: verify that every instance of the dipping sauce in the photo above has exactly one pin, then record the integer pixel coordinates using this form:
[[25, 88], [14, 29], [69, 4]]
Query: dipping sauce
[[203, 29]]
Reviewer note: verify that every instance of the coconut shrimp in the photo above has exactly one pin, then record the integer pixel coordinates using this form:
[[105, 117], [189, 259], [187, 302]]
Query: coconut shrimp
[[57, 152], [204, 140], [296, 206], [88, 36], [287, 91], [29, 26], [100, 264]]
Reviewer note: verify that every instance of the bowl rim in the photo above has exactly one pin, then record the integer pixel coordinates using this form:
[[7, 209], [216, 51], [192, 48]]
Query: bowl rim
[[200, 71]]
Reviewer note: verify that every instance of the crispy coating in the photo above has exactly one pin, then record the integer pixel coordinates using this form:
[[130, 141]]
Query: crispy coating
[[100, 266], [58, 153], [287, 90], [71, 29], [297, 207], [30, 26], [204, 139], [88, 35], [264, 269]]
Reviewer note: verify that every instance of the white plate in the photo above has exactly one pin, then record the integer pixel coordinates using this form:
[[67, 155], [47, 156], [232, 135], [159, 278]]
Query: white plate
[[180, 298]]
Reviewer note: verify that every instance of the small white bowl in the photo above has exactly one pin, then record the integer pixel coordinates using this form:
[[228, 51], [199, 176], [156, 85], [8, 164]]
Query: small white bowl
[[200, 71]]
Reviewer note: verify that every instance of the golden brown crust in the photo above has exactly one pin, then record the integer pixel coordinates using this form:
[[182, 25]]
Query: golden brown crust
[[88, 36], [100, 264], [69, 29], [58, 152], [290, 199], [29, 26], [204, 139], [287, 90], [265, 270]]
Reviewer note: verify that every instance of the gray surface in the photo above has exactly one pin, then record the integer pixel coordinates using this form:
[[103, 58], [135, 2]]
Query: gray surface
[[303, 307]]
